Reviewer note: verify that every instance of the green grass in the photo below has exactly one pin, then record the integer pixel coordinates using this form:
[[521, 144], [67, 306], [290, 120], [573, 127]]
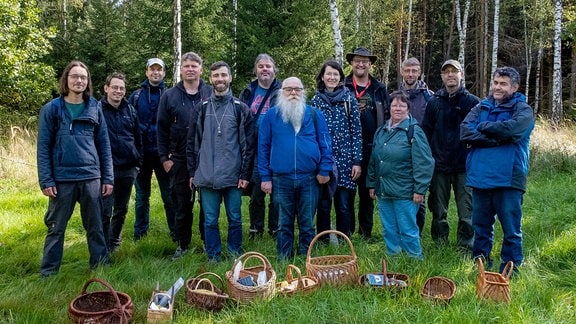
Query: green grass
[[543, 292]]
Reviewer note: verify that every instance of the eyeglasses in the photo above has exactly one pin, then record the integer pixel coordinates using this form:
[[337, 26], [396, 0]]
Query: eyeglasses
[[361, 61], [117, 88], [290, 90], [450, 71], [78, 77]]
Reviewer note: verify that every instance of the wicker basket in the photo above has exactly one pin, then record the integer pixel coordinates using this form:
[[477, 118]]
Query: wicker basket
[[242, 293], [203, 294], [332, 269], [394, 280], [298, 285], [439, 289], [157, 316], [493, 285], [107, 306]]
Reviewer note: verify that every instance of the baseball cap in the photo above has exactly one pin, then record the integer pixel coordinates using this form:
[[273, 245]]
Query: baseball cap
[[155, 60], [453, 63]]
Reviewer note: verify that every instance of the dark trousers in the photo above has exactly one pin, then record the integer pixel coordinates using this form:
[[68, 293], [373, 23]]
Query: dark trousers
[[143, 185], [183, 201], [344, 207], [438, 200], [88, 194], [365, 208], [115, 206], [257, 209]]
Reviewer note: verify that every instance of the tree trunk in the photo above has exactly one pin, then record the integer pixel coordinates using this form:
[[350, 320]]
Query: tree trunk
[[528, 42], [177, 40], [495, 39], [408, 31], [338, 45], [557, 75], [462, 25], [235, 46]]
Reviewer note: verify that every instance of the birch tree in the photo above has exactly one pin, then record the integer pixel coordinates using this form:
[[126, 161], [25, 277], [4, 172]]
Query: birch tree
[[557, 74], [408, 30], [462, 25], [495, 39], [338, 45], [177, 39]]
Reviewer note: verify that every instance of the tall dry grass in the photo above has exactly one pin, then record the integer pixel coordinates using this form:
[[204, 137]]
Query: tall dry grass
[[18, 157]]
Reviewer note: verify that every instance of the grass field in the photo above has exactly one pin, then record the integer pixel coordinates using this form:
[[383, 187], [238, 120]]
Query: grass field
[[543, 292]]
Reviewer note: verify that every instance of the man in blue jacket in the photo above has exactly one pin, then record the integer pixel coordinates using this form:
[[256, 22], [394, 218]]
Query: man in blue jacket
[[498, 132], [145, 100], [294, 159], [74, 165]]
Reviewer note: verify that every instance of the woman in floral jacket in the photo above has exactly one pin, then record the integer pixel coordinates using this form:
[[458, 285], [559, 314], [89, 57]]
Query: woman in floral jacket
[[340, 108]]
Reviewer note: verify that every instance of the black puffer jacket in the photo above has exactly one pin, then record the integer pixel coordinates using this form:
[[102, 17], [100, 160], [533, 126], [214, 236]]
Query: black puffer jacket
[[444, 114]]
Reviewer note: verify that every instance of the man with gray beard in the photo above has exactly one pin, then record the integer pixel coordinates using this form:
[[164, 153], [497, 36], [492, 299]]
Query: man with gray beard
[[294, 159]]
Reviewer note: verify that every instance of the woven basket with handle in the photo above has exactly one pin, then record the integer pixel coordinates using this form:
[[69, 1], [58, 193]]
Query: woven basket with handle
[[394, 280], [494, 285], [439, 289], [108, 306], [299, 285], [243, 293], [203, 294], [332, 269]]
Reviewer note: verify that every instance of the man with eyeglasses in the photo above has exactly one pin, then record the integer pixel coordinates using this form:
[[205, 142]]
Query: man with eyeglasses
[[74, 165], [373, 102], [294, 159], [419, 95], [126, 146], [444, 114], [145, 100]]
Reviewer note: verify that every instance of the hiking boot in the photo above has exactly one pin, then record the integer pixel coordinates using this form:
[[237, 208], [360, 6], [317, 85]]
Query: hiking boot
[[179, 253]]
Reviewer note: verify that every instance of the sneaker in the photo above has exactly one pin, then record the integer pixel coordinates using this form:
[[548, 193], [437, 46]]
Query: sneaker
[[179, 253]]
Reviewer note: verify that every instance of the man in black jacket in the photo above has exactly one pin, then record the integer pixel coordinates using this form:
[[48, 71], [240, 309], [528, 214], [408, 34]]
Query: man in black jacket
[[126, 146], [260, 95], [174, 112], [373, 102], [444, 114]]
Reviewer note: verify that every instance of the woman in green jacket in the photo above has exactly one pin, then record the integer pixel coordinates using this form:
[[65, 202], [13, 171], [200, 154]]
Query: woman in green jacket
[[399, 172]]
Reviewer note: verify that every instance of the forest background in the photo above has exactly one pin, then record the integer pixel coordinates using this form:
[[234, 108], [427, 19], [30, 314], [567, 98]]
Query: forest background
[[39, 37]]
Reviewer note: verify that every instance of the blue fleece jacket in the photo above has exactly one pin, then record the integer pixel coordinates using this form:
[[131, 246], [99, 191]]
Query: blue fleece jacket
[[282, 151]]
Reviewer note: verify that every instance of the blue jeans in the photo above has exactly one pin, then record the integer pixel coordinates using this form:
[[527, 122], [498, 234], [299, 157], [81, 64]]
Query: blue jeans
[[399, 227], [344, 207], [88, 194], [295, 198], [143, 185], [211, 200], [506, 204]]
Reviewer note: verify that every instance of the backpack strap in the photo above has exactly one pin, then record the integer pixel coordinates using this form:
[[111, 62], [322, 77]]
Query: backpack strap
[[136, 97]]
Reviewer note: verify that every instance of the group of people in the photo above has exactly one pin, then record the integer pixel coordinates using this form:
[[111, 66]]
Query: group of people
[[353, 137]]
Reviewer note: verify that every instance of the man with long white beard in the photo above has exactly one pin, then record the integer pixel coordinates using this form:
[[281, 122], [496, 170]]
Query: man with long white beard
[[294, 159]]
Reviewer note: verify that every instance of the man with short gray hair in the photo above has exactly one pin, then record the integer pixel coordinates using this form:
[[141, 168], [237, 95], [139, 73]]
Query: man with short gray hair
[[260, 95], [498, 132]]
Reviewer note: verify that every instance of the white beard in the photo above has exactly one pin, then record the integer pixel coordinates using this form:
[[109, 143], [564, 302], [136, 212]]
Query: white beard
[[292, 111]]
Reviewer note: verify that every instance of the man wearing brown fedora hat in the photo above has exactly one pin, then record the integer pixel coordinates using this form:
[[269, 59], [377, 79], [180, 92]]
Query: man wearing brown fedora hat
[[373, 102]]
